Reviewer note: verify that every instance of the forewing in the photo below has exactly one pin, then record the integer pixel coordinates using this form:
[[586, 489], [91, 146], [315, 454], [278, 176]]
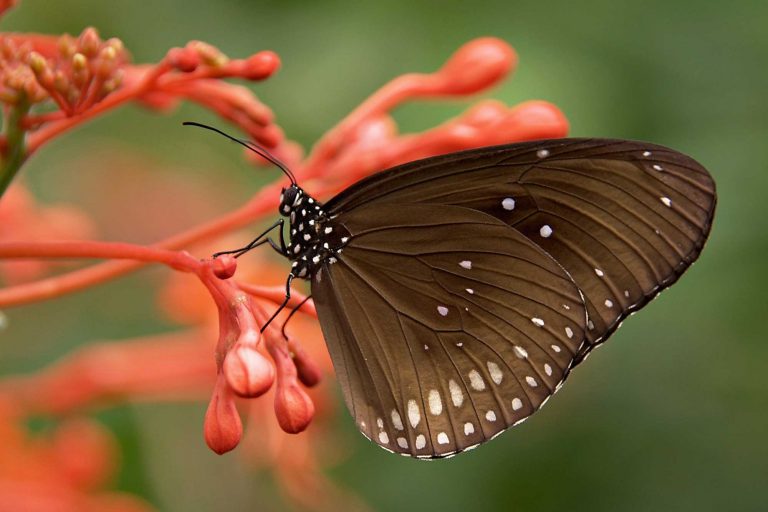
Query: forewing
[[625, 219], [445, 326]]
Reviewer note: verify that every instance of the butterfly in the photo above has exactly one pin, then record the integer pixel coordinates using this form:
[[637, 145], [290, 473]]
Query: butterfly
[[456, 293]]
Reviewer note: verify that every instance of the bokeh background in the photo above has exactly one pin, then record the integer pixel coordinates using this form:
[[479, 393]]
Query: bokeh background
[[672, 415]]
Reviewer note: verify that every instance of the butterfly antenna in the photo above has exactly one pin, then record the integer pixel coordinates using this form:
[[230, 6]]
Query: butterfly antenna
[[250, 145]]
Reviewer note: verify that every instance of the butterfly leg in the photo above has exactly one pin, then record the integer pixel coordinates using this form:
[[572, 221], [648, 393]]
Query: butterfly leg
[[285, 302], [259, 240], [293, 312]]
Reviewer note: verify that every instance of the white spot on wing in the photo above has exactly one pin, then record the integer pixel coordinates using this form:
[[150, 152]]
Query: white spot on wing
[[442, 310], [466, 264], [517, 404], [542, 153], [414, 416], [667, 201], [442, 438], [457, 397], [556, 348], [421, 441], [646, 153], [599, 272], [545, 231], [508, 204], [402, 443], [383, 437], [490, 416], [495, 371], [469, 428], [538, 321], [396, 420], [531, 381], [548, 369], [476, 380], [568, 332], [608, 303], [470, 291], [435, 404], [380, 422], [521, 352]]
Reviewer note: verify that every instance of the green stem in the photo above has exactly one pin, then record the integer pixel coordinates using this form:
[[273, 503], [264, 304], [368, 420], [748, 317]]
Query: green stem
[[16, 145]]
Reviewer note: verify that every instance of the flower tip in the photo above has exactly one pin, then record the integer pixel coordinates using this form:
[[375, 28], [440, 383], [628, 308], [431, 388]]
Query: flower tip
[[478, 65], [79, 62], [308, 371], [37, 63], [223, 428], [184, 59], [541, 118], [248, 373], [293, 408], [89, 42], [261, 65], [224, 266]]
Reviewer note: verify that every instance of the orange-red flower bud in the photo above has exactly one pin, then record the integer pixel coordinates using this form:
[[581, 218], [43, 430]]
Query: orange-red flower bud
[[248, 373], [184, 59], [224, 266], [307, 369], [106, 62], [85, 453], [293, 408], [223, 427], [261, 65], [89, 42], [477, 65]]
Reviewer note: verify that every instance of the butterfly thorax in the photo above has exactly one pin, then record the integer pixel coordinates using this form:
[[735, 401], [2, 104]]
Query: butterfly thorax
[[314, 238]]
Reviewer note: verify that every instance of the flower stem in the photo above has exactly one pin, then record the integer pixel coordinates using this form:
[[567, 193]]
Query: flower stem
[[15, 144]]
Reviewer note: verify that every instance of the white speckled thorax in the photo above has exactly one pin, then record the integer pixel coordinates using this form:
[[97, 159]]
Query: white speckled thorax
[[313, 238]]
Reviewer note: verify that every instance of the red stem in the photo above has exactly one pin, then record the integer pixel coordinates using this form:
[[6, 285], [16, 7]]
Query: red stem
[[90, 249]]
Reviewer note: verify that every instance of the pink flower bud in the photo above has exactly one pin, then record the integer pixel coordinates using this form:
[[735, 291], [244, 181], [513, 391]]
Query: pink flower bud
[[248, 373], [223, 427], [224, 266], [293, 408], [477, 65]]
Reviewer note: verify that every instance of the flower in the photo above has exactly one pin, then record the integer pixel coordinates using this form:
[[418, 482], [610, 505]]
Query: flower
[[86, 76], [64, 470]]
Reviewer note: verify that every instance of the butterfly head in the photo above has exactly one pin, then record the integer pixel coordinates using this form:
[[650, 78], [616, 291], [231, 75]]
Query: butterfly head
[[291, 198]]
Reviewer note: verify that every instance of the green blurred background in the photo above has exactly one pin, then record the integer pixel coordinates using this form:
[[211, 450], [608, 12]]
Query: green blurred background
[[673, 415]]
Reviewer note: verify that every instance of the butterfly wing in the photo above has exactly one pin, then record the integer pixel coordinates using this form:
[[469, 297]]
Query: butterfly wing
[[624, 219], [445, 326]]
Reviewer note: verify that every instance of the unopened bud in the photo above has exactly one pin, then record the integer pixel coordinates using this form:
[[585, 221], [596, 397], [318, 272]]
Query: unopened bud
[[293, 408], [248, 373], [477, 65], [89, 42], [223, 428], [224, 266], [261, 65]]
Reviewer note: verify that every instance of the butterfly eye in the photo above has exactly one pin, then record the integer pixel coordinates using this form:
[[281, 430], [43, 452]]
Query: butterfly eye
[[288, 200]]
